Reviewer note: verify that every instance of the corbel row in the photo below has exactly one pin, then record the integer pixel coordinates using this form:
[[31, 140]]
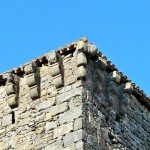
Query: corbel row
[[12, 89], [83, 49], [101, 66], [113, 80], [32, 79], [124, 97], [56, 68]]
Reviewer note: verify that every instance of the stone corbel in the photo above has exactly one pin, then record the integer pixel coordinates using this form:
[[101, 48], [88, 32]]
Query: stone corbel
[[115, 77], [32, 80], [124, 97], [128, 88], [102, 64], [12, 89], [55, 62], [110, 99], [100, 76]]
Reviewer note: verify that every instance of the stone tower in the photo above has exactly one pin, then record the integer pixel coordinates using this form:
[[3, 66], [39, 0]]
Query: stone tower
[[72, 98]]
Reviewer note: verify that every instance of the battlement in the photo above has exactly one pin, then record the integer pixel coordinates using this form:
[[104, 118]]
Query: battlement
[[72, 98]]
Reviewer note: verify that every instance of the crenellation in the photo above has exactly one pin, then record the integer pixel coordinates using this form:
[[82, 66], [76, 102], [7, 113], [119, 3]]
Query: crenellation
[[72, 99]]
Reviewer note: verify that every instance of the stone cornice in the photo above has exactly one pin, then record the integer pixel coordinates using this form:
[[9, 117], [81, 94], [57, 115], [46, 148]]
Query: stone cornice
[[81, 50]]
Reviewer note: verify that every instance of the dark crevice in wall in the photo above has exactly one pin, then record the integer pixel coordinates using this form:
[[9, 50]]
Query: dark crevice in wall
[[13, 117]]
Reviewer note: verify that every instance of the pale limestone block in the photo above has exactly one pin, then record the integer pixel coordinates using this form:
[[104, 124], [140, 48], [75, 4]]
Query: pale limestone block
[[54, 146], [62, 130], [58, 81], [55, 69], [79, 145], [102, 64], [69, 80], [92, 49], [78, 124], [12, 100], [50, 126], [70, 147], [81, 59], [32, 79], [128, 88], [70, 115], [7, 120], [55, 110], [30, 68], [74, 137], [11, 89], [81, 72], [34, 92], [52, 57], [45, 104], [67, 95], [114, 76]]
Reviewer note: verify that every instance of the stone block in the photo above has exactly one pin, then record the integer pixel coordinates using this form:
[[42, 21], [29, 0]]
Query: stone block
[[52, 57], [81, 59], [92, 49], [32, 79], [78, 124], [100, 76], [74, 137], [34, 92], [70, 147], [68, 95], [50, 126], [11, 89], [55, 110], [81, 72], [12, 101], [128, 88], [124, 98], [7, 120], [75, 102], [54, 146], [63, 129], [114, 76], [30, 68], [81, 46], [102, 64], [55, 69], [70, 80], [45, 104], [113, 88], [58, 81], [70, 115]]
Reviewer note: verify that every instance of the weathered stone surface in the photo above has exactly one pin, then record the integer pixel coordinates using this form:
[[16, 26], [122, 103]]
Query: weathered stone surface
[[80, 103], [67, 95], [74, 137], [55, 110], [7, 120], [78, 123], [70, 115], [64, 129], [50, 125], [45, 104], [55, 146]]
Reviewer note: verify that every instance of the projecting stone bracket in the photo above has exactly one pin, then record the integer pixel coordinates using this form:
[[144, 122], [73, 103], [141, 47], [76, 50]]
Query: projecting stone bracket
[[12, 89], [56, 68], [124, 97], [83, 49], [32, 80], [115, 77]]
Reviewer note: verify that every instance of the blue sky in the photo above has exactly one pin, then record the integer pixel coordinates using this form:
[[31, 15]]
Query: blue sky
[[120, 29]]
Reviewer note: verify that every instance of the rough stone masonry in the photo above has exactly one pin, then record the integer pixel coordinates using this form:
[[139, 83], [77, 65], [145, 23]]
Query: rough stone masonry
[[72, 98]]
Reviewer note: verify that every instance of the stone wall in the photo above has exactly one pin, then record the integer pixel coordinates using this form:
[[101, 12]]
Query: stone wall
[[72, 101]]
